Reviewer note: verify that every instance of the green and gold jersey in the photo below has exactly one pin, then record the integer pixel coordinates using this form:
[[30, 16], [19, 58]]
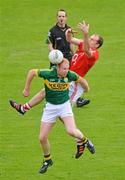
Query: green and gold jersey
[[57, 89]]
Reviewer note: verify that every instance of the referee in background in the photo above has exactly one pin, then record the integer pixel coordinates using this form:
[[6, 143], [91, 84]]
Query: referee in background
[[56, 36]]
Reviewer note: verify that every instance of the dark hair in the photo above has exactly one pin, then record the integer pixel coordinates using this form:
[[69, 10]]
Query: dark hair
[[100, 41], [62, 10]]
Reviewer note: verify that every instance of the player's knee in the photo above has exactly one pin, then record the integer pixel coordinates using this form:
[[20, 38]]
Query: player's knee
[[42, 139]]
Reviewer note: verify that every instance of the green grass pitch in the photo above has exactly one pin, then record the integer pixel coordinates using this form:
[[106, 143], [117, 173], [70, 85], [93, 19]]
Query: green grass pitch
[[24, 26]]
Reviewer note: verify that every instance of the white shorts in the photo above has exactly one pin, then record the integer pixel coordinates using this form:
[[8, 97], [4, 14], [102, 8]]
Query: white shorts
[[75, 91], [51, 112]]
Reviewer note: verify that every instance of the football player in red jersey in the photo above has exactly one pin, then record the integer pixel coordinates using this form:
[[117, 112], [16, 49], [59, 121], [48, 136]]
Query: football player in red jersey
[[84, 58]]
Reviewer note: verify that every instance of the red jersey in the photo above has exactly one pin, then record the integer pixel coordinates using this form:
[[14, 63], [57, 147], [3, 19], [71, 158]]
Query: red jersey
[[81, 63]]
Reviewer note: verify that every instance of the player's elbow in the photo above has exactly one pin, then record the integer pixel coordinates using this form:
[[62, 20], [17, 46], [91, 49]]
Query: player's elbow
[[33, 72]]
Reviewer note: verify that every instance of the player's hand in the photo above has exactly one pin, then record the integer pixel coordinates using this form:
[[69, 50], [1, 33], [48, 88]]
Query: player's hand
[[84, 27], [26, 93], [72, 31], [69, 30]]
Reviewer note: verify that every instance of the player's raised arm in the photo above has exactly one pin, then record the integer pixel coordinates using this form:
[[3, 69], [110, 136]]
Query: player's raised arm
[[84, 27], [69, 37]]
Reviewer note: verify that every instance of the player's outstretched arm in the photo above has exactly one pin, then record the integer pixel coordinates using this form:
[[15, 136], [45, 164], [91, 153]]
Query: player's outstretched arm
[[84, 84], [31, 74]]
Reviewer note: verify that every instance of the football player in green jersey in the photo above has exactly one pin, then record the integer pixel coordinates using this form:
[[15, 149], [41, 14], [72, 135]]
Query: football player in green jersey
[[56, 82]]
